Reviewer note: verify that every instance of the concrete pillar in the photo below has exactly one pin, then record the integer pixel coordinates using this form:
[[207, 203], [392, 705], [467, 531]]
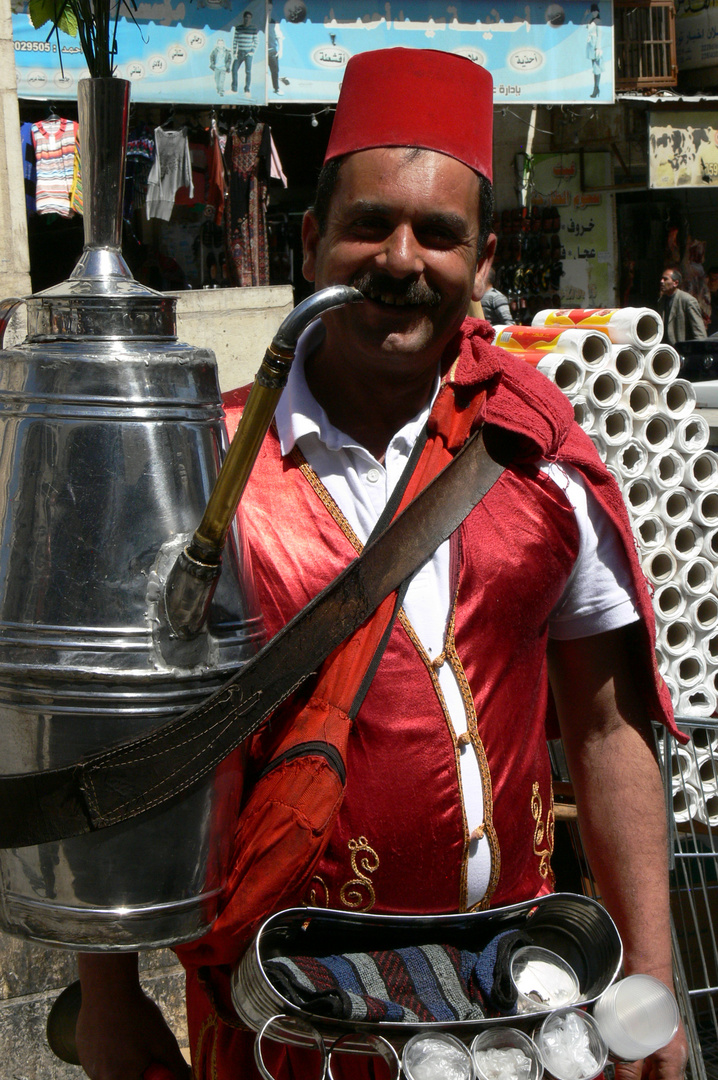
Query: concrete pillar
[[14, 251]]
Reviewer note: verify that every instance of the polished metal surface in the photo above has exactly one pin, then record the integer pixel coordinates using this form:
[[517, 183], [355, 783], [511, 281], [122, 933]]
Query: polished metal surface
[[575, 927], [111, 437]]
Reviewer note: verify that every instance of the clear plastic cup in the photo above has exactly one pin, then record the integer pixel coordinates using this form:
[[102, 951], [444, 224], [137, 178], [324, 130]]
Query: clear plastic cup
[[571, 1045], [436, 1056], [543, 980], [488, 1065], [636, 1016]]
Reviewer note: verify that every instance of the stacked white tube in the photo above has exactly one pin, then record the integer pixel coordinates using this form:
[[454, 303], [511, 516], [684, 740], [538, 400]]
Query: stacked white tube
[[641, 416]]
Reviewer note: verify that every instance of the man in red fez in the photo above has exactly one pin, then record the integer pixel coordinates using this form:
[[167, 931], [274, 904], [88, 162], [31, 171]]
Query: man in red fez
[[447, 804]]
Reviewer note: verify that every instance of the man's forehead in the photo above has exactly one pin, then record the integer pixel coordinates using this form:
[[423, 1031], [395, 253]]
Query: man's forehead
[[384, 166]]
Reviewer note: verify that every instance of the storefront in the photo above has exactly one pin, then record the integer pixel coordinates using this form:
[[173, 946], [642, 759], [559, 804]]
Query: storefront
[[260, 81]]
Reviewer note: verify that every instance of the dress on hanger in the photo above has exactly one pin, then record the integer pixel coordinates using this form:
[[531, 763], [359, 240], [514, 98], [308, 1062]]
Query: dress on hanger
[[54, 142], [248, 159], [172, 169]]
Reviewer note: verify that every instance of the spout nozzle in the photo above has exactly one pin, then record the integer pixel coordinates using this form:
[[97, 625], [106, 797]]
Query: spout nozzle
[[191, 584]]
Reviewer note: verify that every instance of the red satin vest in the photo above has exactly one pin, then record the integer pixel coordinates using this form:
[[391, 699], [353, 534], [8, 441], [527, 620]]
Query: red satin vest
[[400, 843]]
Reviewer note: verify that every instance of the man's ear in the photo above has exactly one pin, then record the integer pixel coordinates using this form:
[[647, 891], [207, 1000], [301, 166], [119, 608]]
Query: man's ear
[[481, 277], [310, 239]]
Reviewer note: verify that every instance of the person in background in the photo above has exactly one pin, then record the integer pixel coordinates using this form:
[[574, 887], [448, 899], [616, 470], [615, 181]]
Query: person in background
[[244, 46], [712, 283], [447, 802], [681, 313], [495, 305]]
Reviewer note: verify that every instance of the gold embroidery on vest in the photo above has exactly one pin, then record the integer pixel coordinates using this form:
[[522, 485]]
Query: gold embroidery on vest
[[318, 895], [209, 1066], [358, 893], [542, 833]]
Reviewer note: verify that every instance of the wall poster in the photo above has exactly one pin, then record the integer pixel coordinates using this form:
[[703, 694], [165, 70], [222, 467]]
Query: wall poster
[[257, 52], [682, 149]]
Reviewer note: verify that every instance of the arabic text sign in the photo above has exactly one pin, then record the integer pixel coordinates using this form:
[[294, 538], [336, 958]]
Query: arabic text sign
[[682, 150], [696, 33], [198, 52], [586, 226]]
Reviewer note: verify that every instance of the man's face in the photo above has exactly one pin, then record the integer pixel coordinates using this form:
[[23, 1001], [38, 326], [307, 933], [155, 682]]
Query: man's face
[[247, 18], [668, 284], [713, 281], [405, 231]]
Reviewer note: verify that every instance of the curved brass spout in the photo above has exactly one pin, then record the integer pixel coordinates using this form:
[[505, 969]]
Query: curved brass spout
[[193, 578]]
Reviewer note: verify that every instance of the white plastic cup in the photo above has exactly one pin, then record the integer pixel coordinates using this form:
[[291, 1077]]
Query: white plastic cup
[[589, 1045], [685, 541], [689, 670], [419, 1057], [636, 1016], [703, 613], [502, 1039]]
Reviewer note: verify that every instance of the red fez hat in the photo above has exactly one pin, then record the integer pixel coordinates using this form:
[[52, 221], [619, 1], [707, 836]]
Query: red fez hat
[[415, 97]]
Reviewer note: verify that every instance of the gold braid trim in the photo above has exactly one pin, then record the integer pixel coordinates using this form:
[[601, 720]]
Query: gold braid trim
[[311, 477], [543, 854], [433, 669], [487, 788]]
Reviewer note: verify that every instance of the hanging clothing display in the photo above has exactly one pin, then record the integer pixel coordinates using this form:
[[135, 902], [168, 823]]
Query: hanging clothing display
[[216, 177], [139, 161], [29, 169], [76, 186], [172, 169], [54, 142], [248, 160]]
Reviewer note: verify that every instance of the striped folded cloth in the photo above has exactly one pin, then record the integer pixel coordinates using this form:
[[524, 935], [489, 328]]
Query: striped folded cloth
[[419, 984]]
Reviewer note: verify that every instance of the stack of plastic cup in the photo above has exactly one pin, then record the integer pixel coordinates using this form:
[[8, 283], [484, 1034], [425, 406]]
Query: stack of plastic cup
[[636, 1016]]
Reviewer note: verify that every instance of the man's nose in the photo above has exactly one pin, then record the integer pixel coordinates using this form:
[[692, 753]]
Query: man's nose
[[402, 253]]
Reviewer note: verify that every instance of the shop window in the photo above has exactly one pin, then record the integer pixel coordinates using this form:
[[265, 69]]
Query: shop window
[[645, 44]]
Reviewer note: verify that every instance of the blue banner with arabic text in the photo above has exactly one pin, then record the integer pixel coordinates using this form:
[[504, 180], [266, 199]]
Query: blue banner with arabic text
[[213, 51]]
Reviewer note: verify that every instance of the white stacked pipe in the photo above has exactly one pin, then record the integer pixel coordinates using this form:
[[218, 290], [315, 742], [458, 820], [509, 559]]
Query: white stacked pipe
[[641, 416]]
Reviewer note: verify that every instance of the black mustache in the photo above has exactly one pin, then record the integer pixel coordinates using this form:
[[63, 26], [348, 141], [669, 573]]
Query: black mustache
[[412, 292]]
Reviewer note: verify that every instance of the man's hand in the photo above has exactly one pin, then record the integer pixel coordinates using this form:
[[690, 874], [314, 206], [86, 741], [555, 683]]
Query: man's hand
[[120, 1031], [666, 1064]]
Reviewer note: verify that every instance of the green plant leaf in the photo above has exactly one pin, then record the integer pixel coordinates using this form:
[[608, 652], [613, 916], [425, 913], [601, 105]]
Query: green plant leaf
[[59, 12]]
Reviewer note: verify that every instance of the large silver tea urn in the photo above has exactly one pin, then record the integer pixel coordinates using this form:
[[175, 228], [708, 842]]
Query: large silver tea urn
[[111, 437]]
